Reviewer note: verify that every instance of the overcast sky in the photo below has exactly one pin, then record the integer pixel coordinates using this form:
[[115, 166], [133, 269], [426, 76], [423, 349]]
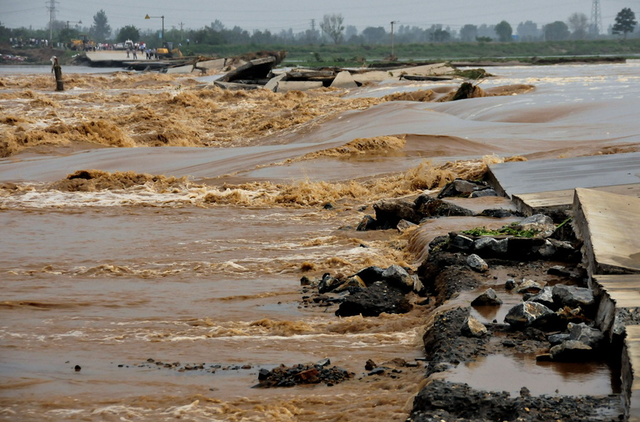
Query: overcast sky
[[276, 15]]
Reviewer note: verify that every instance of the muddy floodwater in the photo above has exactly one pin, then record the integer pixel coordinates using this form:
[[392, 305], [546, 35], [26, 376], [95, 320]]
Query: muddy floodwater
[[156, 286]]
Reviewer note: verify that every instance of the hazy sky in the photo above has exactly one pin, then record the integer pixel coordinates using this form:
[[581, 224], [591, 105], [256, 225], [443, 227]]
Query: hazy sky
[[276, 15]]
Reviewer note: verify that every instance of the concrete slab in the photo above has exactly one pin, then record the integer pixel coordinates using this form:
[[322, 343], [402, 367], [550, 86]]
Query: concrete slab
[[284, 86], [542, 202], [344, 80], [273, 83], [537, 176], [609, 226]]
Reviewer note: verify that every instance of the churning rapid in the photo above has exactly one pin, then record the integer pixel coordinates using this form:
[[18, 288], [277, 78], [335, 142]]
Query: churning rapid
[[155, 230]]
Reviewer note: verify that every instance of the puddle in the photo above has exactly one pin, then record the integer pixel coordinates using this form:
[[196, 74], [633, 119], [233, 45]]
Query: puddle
[[511, 373]]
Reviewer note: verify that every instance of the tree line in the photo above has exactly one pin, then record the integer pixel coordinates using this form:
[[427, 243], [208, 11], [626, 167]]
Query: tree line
[[332, 29]]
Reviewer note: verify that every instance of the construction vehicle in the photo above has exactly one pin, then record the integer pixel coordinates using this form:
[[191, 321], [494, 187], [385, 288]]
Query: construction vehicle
[[82, 44], [167, 51]]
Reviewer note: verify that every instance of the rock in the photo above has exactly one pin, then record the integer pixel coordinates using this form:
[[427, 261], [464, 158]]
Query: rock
[[592, 337], [460, 242], [558, 338], [367, 223], [484, 192], [529, 286], [439, 242], [418, 286], [426, 206], [559, 270], [526, 314], [488, 298], [546, 250], [498, 213], [370, 275], [370, 365], [544, 296], [477, 264], [473, 328], [543, 224], [573, 296], [305, 281], [510, 284], [378, 298], [283, 376], [484, 243], [565, 251], [328, 283], [405, 225], [460, 187], [389, 212], [501, 247], [571, 351], [398, 277], [377, 371], [324, 362], [350, 283]]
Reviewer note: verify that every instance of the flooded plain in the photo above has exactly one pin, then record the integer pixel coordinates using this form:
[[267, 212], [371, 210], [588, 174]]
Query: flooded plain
[[161, 297]]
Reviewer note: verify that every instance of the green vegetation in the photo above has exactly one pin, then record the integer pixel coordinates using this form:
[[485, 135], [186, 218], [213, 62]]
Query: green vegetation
[[510, 230], [358, 55]]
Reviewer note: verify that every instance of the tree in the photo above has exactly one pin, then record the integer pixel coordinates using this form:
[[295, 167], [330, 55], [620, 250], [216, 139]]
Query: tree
[[625, 22], [100, 30], [579, 24], [556, 31], [504, 31], [528, 31], [128, 32], [373, 35], [440, 35], [468, 33], [332, 26]]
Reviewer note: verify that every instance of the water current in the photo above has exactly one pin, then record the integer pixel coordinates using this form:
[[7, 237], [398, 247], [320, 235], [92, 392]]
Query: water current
[[101, 286]]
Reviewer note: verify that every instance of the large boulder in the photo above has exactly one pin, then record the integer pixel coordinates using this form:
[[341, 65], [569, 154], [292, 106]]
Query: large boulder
[[573, 297], [427, 206], [398, 277], [527, 314], [542, 224], [374, 300], [477, 264], [571, 351], [488, 298], [592, 337], [471, 327]]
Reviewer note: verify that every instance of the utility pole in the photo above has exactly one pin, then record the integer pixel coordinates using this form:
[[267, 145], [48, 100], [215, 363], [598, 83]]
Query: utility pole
[[52, 16], [181, 31], [596, 18], [392, 52]]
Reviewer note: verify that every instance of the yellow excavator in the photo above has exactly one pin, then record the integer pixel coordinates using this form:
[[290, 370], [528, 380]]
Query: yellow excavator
[[82, 44], [167, 51]]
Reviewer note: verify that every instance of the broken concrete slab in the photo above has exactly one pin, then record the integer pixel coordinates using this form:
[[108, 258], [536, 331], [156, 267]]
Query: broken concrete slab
[[254, 69], [284, 86], [344, 80], [609, 226], [273, 83]]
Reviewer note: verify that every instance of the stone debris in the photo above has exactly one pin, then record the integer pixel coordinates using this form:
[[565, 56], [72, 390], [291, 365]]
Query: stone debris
[[487, 298], [283, 376]]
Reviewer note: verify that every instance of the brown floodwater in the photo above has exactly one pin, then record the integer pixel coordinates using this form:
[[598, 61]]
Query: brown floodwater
[[205, 274]]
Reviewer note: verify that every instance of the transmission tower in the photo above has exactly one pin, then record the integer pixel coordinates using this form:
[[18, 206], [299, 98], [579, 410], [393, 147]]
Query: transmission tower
[[51, 7], [596, 18]]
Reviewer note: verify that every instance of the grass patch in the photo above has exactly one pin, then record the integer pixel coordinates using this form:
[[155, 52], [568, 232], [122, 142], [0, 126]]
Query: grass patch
[[510, 230]]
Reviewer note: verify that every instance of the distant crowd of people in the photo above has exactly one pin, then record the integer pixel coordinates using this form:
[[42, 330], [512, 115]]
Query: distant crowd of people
[[30, 42]]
